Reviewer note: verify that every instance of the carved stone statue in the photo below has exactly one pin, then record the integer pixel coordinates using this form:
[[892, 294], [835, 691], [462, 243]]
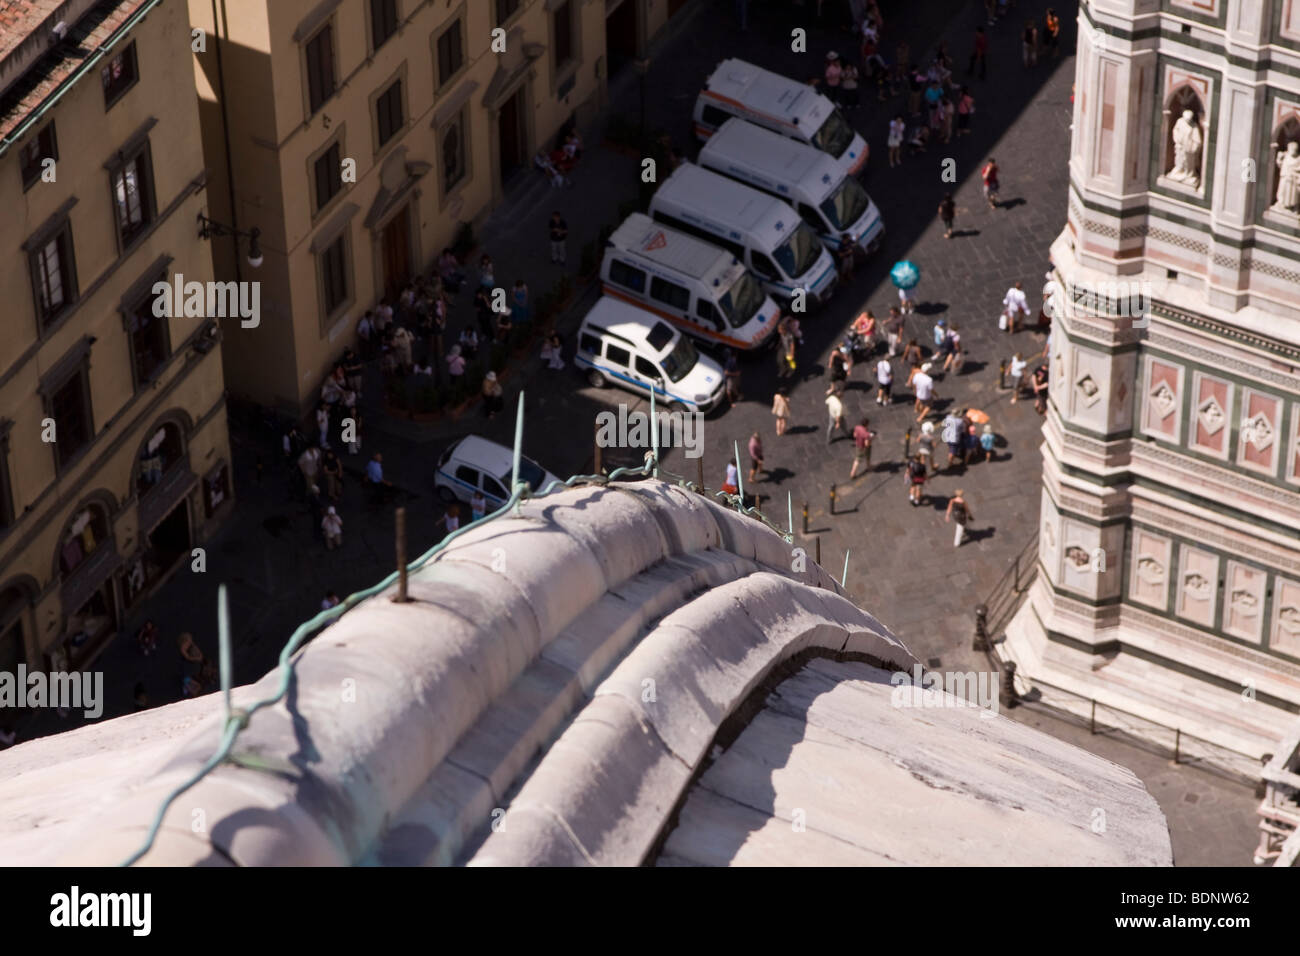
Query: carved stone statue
[[1187, 151], [1288, 178]]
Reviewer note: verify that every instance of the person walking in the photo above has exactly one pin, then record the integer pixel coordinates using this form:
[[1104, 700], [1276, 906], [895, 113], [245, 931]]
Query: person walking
[[884, 381], [979, 54], [989, 174], [732, 484], [947, 212], [912, 358], [987, 441], [959, 512], [1017, 369], [731, 375], [477, 506], [951, 430], [924, 387], [838, 366], [332, 469], [965, 109], [894, 331], [1029, 44], [925, 446], [520, 312], [323, 424], [849, 87], [755, 457], [1052, 24], [558, 230], [862, 435], [906, 301], [832, 75], [451, 519], [492, 395], [952, 346], [331, 527], [835, 415], [486, 273], [897, 127], [781, 410], [483, 315], [1014, 304], [785, 352], [915, 477], [844, 254], [1038, 381], [949, 112]]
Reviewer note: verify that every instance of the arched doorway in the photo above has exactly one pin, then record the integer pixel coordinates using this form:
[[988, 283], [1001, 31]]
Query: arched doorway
[[163, 482], [87, 560]]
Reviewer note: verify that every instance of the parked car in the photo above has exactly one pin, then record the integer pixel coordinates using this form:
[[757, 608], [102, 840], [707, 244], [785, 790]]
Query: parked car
[[475, 464]]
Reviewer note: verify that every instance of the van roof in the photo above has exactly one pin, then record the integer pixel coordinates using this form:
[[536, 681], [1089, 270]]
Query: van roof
[[668, 247], [797, 104], [706, 193], [487, 455], [774, 157], [629, 322]]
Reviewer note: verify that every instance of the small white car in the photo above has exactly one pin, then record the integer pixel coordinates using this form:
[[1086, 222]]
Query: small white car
[[475, 464]]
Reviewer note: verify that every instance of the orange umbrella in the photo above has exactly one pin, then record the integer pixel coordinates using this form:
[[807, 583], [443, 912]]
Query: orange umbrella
[[976, 416]]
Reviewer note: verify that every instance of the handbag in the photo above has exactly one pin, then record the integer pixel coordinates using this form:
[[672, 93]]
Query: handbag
[[1002, 321]]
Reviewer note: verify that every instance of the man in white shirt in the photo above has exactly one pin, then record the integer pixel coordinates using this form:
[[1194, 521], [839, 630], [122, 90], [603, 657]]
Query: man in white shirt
[[1017, 370], [1014, 303], [924, 386], [885, 379], [835, 414]]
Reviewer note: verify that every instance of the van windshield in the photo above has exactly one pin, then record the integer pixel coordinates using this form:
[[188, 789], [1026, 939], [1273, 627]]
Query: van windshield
[[835, 135], [799, 253], [529, 471], [742, 300], [678, 363], [846, 205]]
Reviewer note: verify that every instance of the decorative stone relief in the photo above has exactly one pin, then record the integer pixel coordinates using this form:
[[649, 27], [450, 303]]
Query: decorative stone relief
[[1163, 399], [1152, 556], [1150, 571], [1211, 415], [1286, 618], [1199, 586], [1243, 615], [1078, 556], [1089, 392], [1257, 431]]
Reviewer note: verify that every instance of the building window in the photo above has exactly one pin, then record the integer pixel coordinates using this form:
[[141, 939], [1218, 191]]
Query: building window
[[69, 406], [53, 276], [388, 111], [328, 174], [33, 156], [450, 53], [505, 9], [148, 334], [451, 145], [562, 33], [320, 67], [383, 21], [86, 532], [334, 275], [133, 197], [118, 75], [165, 448]]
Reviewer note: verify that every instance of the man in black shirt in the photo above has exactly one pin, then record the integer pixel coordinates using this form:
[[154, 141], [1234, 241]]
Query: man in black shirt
[[559, 231]]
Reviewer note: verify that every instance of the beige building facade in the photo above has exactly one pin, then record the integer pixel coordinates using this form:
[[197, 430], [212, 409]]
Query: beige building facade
[[1169, 529], [359, 135], [114, 456]]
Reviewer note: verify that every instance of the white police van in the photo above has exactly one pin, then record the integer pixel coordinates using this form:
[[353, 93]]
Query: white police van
[[832, 203], [761, 231], [786, 106], [700, 288], [622, 345], [475, 464]]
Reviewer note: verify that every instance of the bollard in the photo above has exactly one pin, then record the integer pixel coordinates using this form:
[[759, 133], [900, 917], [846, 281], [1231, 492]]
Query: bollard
[[1002, 374], [1009, 683], [1178, 743], [907, 444], [401, 556], [832, 509], [1092, 721], [819, 550], [981, 629], [596, 441], [805, 517], [699, 474]]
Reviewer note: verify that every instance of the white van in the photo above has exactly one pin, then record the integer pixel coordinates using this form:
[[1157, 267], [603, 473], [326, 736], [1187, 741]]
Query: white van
[[622, 345], [806, 178], [473, 464], [781, 104], [762, 232], [700, 288]]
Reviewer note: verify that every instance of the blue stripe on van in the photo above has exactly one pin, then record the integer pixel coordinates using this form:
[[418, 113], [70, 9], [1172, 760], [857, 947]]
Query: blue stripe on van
[[640, 386]]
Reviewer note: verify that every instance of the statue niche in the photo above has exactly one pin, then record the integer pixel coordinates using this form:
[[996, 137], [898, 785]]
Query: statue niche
[[1184, 139], [1286, 168]]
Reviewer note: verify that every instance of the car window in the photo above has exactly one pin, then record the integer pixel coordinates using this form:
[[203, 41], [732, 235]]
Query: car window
[[647, 368], [810, 216], [704, 309], [617, 355], [589, 343], [714, 116], [626, 276], [493, 487], [679, 297], [467, 474], [762, 265]]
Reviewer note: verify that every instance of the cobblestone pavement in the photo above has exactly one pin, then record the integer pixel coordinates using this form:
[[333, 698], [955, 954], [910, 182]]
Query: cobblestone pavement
[[903, 566]]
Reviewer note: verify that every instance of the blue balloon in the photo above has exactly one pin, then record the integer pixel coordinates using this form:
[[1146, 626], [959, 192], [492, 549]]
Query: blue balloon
[[905, 274]]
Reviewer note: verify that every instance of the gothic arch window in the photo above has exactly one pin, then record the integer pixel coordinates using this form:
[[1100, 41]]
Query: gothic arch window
[[1284, 167], [85, 532], [163, 448], [1184, 137], [15, 598]]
